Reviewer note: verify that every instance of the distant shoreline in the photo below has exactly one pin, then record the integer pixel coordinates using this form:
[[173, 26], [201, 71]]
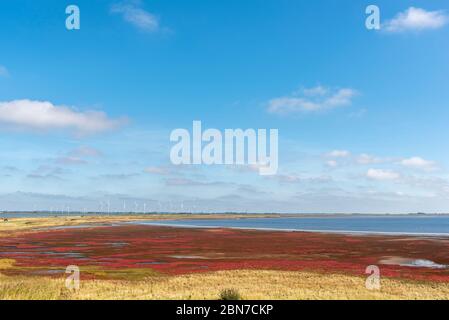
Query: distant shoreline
[[206, 214], [341, 232]]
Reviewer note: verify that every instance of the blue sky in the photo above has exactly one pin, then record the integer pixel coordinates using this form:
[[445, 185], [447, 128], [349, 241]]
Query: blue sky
[[86, 115]]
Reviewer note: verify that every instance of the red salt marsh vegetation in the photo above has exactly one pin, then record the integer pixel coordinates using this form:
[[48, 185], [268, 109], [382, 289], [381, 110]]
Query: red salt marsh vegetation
[[135, 251]]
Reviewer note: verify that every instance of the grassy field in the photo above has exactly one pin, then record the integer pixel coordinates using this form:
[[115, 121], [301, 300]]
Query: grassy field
[[250, 284], [145, 283]]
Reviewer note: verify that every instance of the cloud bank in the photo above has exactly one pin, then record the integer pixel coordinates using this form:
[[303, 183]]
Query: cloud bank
[[419, 163], [416, 19], [45, 116], [380, 174], [133, 13], [312, 100]]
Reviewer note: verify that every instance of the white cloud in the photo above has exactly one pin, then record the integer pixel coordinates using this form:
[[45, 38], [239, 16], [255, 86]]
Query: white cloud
[[3, 71], [368, 159], [419, 163], [133, 13], [315, 91], [416, 19], [342, 97], [339, 154], [332, 163], [312, 100], [380, 174], [44, 116]]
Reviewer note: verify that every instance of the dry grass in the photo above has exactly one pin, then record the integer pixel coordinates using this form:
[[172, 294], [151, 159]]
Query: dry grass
[[6, 263], [250, 285]]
